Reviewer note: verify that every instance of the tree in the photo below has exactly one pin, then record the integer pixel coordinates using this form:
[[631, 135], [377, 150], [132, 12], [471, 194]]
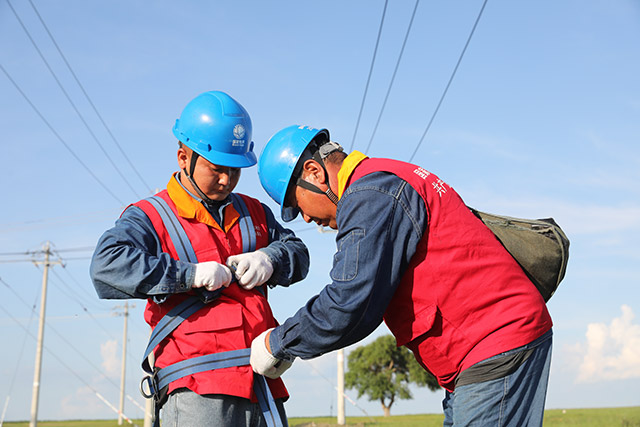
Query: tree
[[384, 371]]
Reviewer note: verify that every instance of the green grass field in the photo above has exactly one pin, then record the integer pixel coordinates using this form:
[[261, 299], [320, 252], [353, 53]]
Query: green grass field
[[602, 417]]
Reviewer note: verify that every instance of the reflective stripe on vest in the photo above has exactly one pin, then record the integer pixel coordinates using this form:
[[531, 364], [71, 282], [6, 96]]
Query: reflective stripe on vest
[[174, 228], [247, 230], [155, 381]]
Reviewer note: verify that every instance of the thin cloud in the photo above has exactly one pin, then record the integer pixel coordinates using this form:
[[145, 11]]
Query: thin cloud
[[110, 360], [574, 218], [82, 401], [596, 219], [612, 351]]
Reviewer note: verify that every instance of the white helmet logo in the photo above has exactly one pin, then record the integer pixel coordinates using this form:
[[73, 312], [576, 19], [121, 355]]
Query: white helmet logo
[[238, 131]]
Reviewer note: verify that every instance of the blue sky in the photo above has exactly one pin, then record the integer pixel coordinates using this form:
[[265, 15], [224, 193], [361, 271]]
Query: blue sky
[[542, 119]]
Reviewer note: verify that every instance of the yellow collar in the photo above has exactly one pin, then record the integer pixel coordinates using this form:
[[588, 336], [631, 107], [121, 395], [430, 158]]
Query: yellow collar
[[348, 166], [190, 208]]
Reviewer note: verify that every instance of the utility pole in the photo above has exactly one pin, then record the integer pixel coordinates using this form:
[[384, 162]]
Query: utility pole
[[341, 414], [149, 409], [124, 363], [150, 405], [43, 304], [340, 356]]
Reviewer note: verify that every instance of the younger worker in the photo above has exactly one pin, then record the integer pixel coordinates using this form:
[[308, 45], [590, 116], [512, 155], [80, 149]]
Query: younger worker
[[139, 258], [412, 254]]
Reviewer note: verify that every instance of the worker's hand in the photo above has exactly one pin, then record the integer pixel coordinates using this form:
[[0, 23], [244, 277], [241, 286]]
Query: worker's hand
[[211, 275], [251, 269], [263, 362]]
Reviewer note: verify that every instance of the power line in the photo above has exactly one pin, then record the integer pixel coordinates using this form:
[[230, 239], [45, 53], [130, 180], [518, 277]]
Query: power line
[[12, 261], [308, 228], [73, 291], [87, 359], [21, 352], [59, 359], [404, 43], [78, 218], [366, 88], [86, 311], [450, 80], [14, 253], [89, 98], [310, 363], [24, 95], [77, 249], [78, 258], [75, 108], [72, 294]]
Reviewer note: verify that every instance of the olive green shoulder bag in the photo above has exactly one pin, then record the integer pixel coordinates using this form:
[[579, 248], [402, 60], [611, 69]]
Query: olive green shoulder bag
[[538, 245]]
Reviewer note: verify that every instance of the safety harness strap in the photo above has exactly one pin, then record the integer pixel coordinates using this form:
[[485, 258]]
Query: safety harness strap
[[179, 237], [156, 381], [176, 232], [165, 376], [266, 401], [168, 324], [247, 230], [181, 243], [207, 362]]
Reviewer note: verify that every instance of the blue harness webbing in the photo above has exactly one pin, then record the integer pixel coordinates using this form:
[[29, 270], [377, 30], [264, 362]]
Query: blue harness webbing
[[160, 378], [247, 230], [174, 228]]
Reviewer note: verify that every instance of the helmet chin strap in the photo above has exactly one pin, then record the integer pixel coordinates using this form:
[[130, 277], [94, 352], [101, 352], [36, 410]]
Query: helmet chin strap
[[192, 168], [307, 185]]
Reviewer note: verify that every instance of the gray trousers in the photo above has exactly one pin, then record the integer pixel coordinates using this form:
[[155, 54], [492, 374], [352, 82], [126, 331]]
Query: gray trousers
[[185, 408]]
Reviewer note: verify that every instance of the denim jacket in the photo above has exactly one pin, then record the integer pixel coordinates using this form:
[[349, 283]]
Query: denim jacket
[[373, 252], [128, 261]]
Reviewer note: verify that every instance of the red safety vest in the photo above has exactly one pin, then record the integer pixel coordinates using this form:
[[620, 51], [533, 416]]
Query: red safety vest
[[230, 322], [463, 298]]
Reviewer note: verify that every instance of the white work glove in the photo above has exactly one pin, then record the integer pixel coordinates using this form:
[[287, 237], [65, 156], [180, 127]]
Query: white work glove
[[263, 362], [211, 275], [251, 269]]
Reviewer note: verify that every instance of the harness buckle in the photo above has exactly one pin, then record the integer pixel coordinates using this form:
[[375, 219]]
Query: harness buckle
[[151, 382]]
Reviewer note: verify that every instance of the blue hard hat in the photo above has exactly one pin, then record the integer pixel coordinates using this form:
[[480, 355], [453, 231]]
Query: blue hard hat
[[279, 159], [218, 128]]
